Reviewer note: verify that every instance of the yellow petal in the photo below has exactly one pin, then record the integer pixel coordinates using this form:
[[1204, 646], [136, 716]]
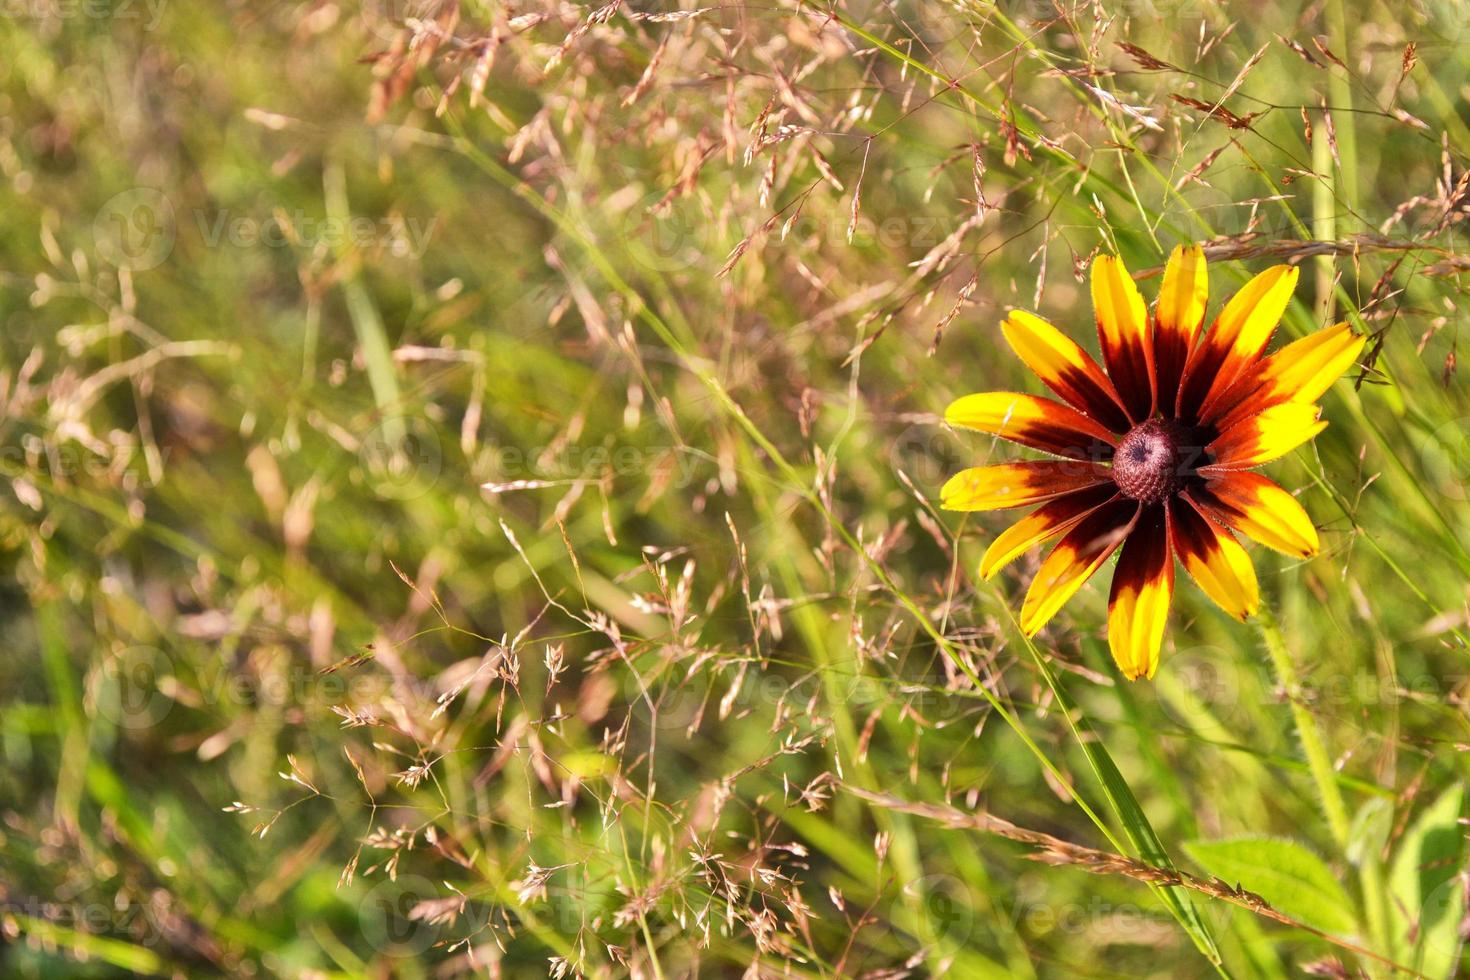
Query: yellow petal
[[1044, 523], [1302, 371], [1071, 563], [1180, 316], [1238, 336], [1304, 374], [1184, 293], [1245, 324], [1219, 565], [1138, 605], [1270, 435], [1122, 329], [1036, 422], [1065, 368], [1262, 511], [1013, 484]]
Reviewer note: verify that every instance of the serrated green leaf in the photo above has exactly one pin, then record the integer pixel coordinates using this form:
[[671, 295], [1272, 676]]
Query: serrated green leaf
[[1288, 875], [1428, 902]]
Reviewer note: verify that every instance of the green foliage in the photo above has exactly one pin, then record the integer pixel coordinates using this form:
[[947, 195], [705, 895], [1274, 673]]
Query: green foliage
[[1290, 876], [1427, 887]]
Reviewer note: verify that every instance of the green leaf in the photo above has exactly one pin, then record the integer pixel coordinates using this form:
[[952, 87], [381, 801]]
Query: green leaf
[[1288, 875], [1428, 902]]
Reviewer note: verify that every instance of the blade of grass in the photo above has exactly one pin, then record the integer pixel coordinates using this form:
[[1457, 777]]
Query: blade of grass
[[115, 952], [371, 335]]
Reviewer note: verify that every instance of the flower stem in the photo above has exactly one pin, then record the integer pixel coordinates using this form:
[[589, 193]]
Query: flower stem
[[1318, 761]]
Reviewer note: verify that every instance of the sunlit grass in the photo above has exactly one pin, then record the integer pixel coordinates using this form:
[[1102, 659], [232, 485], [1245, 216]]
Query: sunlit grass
[[473, 494]]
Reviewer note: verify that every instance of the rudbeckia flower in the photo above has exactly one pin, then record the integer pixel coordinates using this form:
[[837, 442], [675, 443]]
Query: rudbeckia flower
[[1153, 448]]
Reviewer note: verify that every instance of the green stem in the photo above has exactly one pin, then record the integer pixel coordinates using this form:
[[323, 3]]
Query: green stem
[[658, 971], [1318, 761], [1375, 907]]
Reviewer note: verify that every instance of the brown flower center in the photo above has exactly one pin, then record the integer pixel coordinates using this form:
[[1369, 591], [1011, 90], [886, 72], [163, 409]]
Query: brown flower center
[[1156, 458]]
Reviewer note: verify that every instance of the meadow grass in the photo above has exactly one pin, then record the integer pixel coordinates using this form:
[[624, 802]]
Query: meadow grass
[[472, 492]]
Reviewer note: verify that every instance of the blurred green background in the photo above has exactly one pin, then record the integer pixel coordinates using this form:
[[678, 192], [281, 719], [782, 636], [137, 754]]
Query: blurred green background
[[470, 471]]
